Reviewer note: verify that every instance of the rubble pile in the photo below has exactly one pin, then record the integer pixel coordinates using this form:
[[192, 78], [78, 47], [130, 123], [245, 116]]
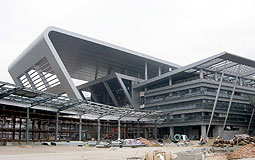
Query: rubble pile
[[247, 151], [238, 140], [146, 141]]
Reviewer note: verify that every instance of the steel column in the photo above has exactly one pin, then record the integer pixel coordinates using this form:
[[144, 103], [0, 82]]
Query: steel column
[[138, 126], [27, 126], [249, 126], [215, 102], [118, 129], [145, 71], [159, 70], [201, 74], [80, 127], [155, 130], [98, 129], [56, 130], [170, 81]]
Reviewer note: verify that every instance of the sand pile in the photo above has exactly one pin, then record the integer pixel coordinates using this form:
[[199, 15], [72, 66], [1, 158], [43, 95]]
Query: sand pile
[[247, 151]]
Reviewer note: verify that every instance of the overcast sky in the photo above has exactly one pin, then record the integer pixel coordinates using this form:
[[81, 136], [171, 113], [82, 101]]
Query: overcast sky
[[179, 31]]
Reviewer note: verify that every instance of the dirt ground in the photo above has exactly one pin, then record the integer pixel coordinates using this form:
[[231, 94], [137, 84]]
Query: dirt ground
[[38, 152], [64, 152]]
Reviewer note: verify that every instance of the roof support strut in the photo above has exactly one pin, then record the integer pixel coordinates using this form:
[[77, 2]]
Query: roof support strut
[[215, 102], [230, 102]]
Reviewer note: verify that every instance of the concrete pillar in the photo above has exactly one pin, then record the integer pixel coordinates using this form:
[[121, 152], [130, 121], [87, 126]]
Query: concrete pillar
[[80, 127], [171, 132], [170, 81], [118, 129], [98, 129], [56, 130], [201, 74], [203, 130], [159, 70], [145, 71], [27, 125]]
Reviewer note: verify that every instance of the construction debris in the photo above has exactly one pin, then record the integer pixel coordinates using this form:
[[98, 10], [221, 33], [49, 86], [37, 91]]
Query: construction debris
[[238, 140], [160, 155], [146, 141], [247, 151], [133, 143]]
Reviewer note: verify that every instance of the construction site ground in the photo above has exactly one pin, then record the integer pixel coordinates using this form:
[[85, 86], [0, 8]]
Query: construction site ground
[[63, 152]]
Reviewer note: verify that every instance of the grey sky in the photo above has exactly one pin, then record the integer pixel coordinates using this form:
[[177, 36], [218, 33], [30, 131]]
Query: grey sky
[[180, 31]]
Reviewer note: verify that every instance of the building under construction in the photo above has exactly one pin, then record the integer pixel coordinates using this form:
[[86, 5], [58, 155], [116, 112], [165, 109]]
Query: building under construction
[[121, 93]]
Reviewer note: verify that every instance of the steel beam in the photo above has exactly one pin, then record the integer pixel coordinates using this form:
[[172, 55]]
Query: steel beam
[[108, 89], [42, 76], [247, 73], [43, 100], [225, 66], [215, 102], [230, 102], [30, 80], [124, 89], [70, 106], [9, 92]]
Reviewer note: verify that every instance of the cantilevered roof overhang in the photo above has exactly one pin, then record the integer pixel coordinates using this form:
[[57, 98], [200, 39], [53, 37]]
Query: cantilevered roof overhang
[[64, 55], [217, 63]]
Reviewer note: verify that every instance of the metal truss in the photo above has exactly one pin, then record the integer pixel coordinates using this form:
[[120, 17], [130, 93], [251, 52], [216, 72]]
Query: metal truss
[[65, 104]]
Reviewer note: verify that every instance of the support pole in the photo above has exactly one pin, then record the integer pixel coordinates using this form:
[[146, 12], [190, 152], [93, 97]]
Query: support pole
[[216, 100], [170, 81], [98, 129], [230, 103], [155, 130], [249, 126], [201, 74], [56, 130], [27, 126], [159, 70], [118, 129], [145, 71], [80, 127], [138, 126]]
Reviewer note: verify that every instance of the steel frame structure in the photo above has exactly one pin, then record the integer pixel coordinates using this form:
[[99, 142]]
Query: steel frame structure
[[71, 106]]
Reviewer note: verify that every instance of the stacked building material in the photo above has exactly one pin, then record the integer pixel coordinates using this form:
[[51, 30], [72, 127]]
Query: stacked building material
[[241, 139]]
